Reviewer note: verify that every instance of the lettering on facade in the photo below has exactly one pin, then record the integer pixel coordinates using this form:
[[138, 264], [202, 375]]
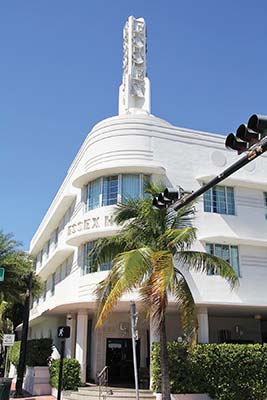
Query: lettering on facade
[[91, 223]]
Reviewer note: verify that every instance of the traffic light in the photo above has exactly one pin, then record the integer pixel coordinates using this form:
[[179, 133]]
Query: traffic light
[[168, 197], [258, 123], [248, 135], [233, 143]]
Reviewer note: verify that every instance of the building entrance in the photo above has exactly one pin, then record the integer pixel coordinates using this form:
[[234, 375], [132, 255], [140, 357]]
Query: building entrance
[[119, 359]]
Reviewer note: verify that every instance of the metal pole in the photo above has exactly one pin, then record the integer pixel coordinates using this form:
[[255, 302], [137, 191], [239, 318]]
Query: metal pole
[[133, 326], [255, 152], [60, 373], [6, 360], [23, 345]]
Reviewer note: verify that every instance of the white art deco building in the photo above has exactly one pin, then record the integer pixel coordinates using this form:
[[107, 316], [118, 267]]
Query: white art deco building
[[111, 164]]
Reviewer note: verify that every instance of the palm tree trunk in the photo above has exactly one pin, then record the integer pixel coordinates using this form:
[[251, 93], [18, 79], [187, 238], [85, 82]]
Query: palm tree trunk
[[165, 381]]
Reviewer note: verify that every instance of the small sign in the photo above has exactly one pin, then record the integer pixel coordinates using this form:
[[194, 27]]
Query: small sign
[[63, 332], [8, 340], [2, 274]]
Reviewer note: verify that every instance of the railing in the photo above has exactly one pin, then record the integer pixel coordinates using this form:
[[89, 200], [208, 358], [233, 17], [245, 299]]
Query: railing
[[103, 383]]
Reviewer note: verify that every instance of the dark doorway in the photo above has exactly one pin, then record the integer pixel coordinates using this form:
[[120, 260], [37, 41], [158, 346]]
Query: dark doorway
[[119, 359]]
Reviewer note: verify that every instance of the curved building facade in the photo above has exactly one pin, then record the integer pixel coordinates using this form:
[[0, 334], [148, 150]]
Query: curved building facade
[[117, 156]]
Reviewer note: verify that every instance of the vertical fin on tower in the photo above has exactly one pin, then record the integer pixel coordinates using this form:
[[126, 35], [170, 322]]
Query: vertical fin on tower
[[134, 96]]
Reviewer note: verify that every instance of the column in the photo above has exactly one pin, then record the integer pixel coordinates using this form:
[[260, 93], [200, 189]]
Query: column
[[81, 342], [203, 325], [154, 335], [70, 343]]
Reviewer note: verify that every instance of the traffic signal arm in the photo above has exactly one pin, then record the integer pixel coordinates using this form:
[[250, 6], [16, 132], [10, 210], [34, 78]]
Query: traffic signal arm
[[255, 152]]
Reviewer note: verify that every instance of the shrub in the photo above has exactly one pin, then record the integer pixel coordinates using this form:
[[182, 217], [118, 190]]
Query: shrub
[[224, 371], [71, 374], [13, 354], [39, 352]]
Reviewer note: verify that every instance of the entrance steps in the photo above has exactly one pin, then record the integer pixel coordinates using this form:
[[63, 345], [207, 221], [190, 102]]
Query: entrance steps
[[109, 393]]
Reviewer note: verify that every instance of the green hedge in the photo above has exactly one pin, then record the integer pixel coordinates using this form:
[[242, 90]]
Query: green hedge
[[13, 354], [224, 371], [71, 374], [38, 352]]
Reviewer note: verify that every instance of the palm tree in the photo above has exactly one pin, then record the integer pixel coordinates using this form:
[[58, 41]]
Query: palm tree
[[151, 253], [17, 265]]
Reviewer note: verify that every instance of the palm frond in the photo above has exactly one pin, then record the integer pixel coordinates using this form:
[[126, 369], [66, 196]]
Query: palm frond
[[154, 188], [128, 272], [177, 239], [182, 218], [154, 291], [8, 245], [208, 263], [106, 249], [127, 210]]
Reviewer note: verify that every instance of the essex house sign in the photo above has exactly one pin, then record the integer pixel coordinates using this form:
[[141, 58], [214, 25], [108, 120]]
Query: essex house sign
[[91, 223]]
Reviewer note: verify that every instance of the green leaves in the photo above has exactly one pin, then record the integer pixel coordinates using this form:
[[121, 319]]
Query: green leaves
[[150, 253], [224, 371], [18, 265], [129, 270], [207, 263], [71, 374]]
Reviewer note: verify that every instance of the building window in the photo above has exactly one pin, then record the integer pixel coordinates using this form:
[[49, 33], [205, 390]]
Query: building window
[[94, 190], [220, 199], [48, 247], [109, 190], [56, 237], [130, 187], [53, 284], [265, 204], [45, 289], [88, 266], [228, 252]]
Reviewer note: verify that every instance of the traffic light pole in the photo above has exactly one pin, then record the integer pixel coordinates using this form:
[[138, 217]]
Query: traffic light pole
[[255, 152], [133, 326], [60, 373]]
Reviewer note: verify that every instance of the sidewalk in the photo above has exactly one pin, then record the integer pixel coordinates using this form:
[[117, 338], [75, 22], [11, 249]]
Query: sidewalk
[[29, 396]]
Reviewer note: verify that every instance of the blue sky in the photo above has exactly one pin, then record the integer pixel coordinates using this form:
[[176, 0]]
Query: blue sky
[[61, 66]]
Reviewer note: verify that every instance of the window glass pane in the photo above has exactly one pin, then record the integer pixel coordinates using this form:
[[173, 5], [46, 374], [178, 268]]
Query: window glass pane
[[69, 263], [94, 189], [53, 283], [230, 201], [218, 198], [207, 201], [44, 290], [209, 248], [88, 267], [110, 190], [48, 247], [130, 187], [146, 180], [105, 267], [88, 260], [235, 259], [58, 275], [226, 252], [56, 237]]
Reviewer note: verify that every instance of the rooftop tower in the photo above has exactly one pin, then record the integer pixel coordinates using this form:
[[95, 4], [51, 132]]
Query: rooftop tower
[[134, 96]]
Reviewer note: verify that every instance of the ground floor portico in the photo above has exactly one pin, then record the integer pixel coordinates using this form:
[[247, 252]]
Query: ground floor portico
[[111, 344]]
